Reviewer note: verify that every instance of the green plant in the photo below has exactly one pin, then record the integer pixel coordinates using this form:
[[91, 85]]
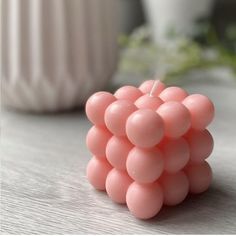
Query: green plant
[[179, 55]]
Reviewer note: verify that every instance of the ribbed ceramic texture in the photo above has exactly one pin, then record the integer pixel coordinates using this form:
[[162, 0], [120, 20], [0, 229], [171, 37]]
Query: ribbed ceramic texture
[[56, 53]]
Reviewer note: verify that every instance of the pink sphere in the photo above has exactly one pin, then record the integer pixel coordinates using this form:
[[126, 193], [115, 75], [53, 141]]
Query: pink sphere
[[145, 165], [97, 171], [117, 151], [97, 139], [201, 109], [129, 93], [116, 115], [117, 184], [175, 188], [201, 145], [96, 106], [199, 176], [176, 154], [147, 86], [147, 101], [176, 119], [173, 94], [144, 201], [145, 128]]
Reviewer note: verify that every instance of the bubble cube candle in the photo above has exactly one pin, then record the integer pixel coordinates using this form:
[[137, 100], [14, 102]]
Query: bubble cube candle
[[149, 145]]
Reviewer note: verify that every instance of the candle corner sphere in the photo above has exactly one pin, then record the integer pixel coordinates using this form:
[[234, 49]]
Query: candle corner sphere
[[201, 109], [96, 105]]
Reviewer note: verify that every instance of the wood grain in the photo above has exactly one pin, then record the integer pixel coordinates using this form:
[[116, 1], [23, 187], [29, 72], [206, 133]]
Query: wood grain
[[44, 189]]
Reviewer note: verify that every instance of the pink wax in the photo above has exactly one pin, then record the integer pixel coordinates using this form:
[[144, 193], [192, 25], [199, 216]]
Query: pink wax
[[116, 115], [97, 171], [129, 93], [173, 94], [145, 165], [199, 176], [175, 187], [147, 101], [97, 139], [201, 109], [176, 154], [201, 144], [117, 184], [146, 87], [117, 151], [149, 145], [144, 200], [96, 106], [176, 118], [140, 127]]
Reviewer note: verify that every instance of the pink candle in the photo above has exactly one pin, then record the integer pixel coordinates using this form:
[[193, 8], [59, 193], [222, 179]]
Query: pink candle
[[149, 145]]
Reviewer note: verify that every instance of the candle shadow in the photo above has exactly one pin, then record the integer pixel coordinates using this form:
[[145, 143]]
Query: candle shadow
[[196, 208]]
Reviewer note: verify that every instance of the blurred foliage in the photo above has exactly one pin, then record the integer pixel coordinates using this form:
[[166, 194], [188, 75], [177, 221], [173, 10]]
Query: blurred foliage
[[181, 54]]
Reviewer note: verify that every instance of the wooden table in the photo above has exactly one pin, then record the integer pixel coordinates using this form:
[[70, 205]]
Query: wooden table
[[44, 188]]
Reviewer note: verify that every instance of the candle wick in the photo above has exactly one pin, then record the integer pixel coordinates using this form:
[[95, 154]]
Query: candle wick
[[154, 87]]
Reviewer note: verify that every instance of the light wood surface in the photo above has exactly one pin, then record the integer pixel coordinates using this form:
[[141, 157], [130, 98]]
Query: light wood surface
[[44, 188]]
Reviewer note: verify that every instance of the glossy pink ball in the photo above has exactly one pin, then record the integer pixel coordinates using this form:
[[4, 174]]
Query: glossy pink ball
[[117, 184], [129, 93], [97, 139], [176, 154], [147, 101], [201, 144], [117, 151], [145, 165], [175, 188], [173, 94], [147, 86], [116, 115], [97, 171], [199, 176], [96, 106], [176, 119], [145, 128], [201, 109], [144, 200]]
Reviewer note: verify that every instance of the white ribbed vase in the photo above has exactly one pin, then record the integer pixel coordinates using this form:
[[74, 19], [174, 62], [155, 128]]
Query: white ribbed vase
[[56, 53]]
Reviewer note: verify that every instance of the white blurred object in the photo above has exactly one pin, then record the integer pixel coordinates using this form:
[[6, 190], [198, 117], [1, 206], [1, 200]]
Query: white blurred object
[[56, 53], [179, 15]]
